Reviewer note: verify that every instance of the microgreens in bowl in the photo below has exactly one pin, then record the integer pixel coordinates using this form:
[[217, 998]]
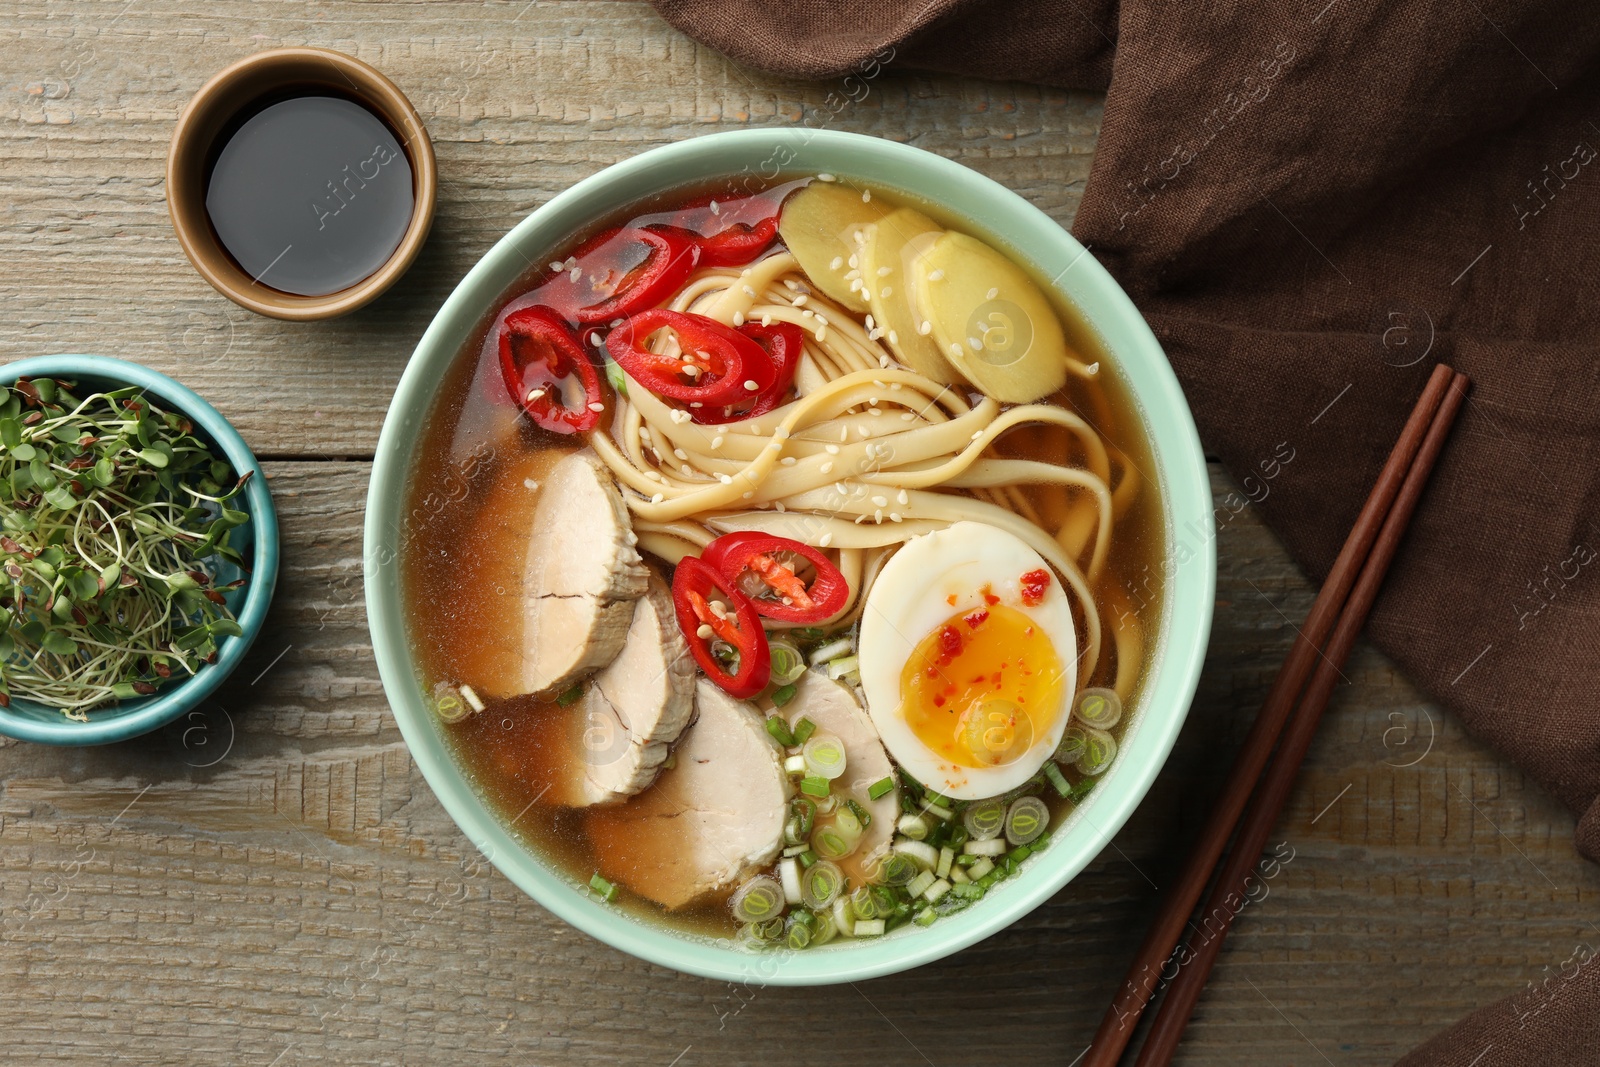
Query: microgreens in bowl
[[115, 521]]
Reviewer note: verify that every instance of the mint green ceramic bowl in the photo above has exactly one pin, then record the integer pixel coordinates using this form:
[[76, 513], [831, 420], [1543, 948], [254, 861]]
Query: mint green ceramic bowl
[[1026, 233]]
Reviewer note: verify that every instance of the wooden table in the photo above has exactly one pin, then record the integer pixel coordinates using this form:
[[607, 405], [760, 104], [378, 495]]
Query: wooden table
[[272, 882]]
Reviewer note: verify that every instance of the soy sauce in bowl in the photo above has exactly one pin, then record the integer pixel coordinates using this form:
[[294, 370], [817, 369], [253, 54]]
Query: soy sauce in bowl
[[311, 195]]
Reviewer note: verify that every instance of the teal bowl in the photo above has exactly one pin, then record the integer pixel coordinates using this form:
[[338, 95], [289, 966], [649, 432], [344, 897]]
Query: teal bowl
[[1189, 561], [257, 540]]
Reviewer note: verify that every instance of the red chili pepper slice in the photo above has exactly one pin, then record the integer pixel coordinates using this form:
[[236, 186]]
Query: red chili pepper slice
[[715, 366], [789, 598], [735, 233], [782, 342], [541, 362], [622, 272], [694, 583]]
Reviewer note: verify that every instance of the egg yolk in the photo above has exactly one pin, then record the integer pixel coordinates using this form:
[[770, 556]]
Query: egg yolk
[[982, 687]]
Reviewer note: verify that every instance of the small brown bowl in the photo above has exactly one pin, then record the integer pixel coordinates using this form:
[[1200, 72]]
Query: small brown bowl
[[214, 111]]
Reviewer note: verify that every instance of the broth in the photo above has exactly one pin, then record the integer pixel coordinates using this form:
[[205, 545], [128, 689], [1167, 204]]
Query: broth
[[460, 545]]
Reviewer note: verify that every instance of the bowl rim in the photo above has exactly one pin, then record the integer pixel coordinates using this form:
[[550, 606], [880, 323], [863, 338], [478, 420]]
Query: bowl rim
[[209, 111], [170, 703], [1177, 454]]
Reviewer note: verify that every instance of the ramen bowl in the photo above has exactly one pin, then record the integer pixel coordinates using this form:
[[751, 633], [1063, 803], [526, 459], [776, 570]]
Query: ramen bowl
[[256, 540], [1186, 560]]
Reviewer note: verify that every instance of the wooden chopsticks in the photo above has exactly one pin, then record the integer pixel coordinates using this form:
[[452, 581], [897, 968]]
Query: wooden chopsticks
[[1340, 610]]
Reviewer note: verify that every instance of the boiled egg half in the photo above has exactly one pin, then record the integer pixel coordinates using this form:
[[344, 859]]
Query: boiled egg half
[[968, 659]]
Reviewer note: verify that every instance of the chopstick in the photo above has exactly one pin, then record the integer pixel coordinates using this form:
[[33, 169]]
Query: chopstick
[[1374, 521], [1173, 1014]]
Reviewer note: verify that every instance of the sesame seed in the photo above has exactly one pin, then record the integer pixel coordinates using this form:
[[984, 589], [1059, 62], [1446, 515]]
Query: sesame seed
[[926, 328], [894, 516], [885, 291], [955, 349], [750, 386], [833, 450], [716, 442], [1093, 368], [936, 276], [838, 261], [844, 434], [738, 318], [680, 453], [534, 394], [871, 411], [863, 431], [881, 501], [976, 343], [853, 260], [751, 293], [977, 434], [906, 416], [903, 497], [787, 461], [597, 407], [716, 209], [557, 265], [825, 540], [853, 274], [704, 632], [866, 196], [766, 320], [877, 516], [657, 498], [725, 479], [826, 178], [822, 334], [826, 468], [781, 433], [894, 338], [748, 494], [800, 301], [687, 469]]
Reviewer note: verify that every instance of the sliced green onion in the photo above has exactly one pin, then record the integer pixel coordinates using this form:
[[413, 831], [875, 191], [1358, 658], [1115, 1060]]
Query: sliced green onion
[[994, 846], [897, 869], [615, 376], [985, 819], [1017, 855], [820, 884], [570, 697], [1100, 708], [813, 786], [920, 852], [864, 904], [807, 858], [1026, 819], [843, 666], [787, 663], [1053, 773], [881, 788], [832, 650], [838, 838], [844, 919], [946, 857], [970, 891], [955, 835], [789, 875], [919, 885], [863, 816], [935, 891], [981, 868], [803, 729], [793, 850], [824, 755], [958, 874], [795, 765], [913, 826], [1099, 750], [869, 928], [1082, 789], [826, 931], [607, 891], [779, 730], [758, 900], [926, 917], [1074, 739], [805, 814], [797, 934], [782, 695]]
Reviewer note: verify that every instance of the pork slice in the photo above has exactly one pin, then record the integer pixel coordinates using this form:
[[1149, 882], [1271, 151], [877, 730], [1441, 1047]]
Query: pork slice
[[582, 576], [711, 819], [834, 710], [638, 704]]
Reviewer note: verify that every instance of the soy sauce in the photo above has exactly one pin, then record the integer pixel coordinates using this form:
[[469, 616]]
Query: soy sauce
[[311, 195]]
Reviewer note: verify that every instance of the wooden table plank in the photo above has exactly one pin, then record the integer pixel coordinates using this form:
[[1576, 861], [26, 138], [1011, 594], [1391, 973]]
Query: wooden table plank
[[299, 892]]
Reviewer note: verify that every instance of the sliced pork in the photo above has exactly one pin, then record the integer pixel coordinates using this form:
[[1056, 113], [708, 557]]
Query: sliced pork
[[637, 705], [582, 576], [710, 819]]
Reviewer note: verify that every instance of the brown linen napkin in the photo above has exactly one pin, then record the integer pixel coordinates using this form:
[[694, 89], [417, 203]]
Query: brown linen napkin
[[1312, 203]]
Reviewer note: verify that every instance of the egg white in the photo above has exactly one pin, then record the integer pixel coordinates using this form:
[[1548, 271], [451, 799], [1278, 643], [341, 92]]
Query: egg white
[[911, 598]]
